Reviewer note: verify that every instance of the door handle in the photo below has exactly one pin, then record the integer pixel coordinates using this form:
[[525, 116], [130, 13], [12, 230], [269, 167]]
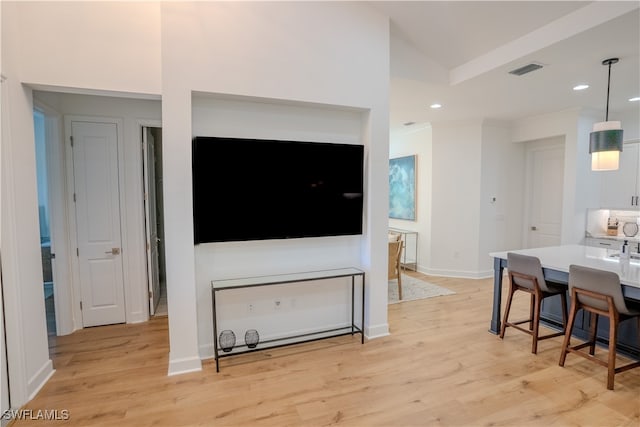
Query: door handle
[[113, 251], [534, 228]]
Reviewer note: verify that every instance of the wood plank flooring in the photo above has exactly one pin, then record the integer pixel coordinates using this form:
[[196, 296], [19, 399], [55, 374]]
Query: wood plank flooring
[[439, 367]]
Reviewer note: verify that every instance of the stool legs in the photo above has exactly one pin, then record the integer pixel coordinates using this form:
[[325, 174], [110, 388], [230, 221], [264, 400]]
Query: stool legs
[[506, 311], [567, 336], [593, 330], [613, 339], [537, 300], [535, 309]]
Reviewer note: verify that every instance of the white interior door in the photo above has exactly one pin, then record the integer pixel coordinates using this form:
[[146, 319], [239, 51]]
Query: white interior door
[[153, 272], [97, 203], [546, 165]]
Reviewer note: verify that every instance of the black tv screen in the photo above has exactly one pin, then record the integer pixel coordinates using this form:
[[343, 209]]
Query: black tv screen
[[255, 189]]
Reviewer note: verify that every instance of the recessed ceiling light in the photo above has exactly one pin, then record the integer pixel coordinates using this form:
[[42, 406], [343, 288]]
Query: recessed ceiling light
[[436, 106], [637, 98], [581, 87]]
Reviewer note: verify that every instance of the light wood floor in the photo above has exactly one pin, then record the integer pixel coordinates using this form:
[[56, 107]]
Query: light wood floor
[[439, 366]]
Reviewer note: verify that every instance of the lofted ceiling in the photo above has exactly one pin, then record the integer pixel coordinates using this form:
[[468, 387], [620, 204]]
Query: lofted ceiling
[[459, 53]]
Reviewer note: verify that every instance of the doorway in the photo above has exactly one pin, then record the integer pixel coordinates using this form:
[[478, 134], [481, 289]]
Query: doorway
[[154, 219], [39, 125], [544, 190]]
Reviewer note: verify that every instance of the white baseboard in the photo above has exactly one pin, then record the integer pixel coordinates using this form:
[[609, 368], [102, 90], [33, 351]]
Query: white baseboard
[[40, 379], [376, 331], [206, 351], [184, 365], [457, 273], [137, 317]]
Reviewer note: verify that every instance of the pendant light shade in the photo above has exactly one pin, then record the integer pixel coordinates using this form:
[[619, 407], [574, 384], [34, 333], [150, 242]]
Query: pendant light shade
[[605, 145], [605, 142]]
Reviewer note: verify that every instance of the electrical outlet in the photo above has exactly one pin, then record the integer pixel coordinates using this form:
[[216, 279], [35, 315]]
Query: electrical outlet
[[250, 307], [277, 304]]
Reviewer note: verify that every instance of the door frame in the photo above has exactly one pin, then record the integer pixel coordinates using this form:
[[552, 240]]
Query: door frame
[[141, 125], [76, 294], [545, 144], [58, 218]]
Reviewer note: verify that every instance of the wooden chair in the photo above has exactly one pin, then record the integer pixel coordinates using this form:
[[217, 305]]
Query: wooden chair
[[525, 274], [598, 292], [395, 251]]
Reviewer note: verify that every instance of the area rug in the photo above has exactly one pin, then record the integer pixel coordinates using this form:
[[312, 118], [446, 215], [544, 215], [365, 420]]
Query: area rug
[[414, 289]]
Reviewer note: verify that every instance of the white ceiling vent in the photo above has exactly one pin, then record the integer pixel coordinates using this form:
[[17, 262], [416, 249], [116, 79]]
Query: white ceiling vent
[[526, 69]]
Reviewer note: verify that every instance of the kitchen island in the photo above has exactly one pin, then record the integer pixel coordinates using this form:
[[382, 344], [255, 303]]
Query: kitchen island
[[555, 262]]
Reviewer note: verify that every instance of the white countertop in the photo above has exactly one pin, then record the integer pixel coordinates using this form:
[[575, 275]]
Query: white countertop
[[561, 257], [621, 237]]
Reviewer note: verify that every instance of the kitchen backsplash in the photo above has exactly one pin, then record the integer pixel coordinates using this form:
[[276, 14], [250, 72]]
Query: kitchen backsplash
[[597, 220]]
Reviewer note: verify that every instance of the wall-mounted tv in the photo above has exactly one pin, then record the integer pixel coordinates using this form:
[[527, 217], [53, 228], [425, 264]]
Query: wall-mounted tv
[[258, 189]]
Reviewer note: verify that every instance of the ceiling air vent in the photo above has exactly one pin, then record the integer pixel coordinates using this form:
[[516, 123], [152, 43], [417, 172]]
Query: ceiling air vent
[[526, 69]]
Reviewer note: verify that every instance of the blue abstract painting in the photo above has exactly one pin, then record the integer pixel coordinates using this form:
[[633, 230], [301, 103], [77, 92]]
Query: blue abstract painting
[[402, 188]]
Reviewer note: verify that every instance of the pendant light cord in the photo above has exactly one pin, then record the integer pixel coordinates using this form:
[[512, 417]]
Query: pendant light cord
[[606, 118]]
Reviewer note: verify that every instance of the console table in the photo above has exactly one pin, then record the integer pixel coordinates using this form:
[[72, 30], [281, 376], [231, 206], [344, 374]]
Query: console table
[[222, 285]]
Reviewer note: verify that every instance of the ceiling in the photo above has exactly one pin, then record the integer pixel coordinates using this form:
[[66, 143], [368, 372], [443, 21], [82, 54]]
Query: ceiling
[[459, 53]]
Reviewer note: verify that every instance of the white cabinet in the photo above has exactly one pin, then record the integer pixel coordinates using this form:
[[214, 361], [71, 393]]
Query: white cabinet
[[621, 188], [603, 243]]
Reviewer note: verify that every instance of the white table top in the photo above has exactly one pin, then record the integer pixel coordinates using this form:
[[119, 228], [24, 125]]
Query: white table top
[[561, 257]]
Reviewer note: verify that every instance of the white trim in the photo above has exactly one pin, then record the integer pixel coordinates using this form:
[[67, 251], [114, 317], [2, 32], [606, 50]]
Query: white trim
[[40, 379], [14, 329], [458, 274], [58, 218], [184, 365], [206, 351], [141, 125], [376, 331], [75, 295]]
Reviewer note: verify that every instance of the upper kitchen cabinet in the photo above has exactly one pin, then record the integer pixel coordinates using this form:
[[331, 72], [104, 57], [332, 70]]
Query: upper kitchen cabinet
[[621, 188]]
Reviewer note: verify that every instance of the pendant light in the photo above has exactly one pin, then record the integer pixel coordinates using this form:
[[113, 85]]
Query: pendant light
[[605, 142]]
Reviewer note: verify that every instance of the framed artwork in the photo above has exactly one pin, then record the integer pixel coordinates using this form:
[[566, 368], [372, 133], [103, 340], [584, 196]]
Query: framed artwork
[[402, 188]]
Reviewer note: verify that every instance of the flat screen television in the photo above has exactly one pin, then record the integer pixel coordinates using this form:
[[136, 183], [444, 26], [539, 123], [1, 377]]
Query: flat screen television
[[258, 189]]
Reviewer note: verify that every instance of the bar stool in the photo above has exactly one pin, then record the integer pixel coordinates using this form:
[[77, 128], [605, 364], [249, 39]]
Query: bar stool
[[525, 274], [598, 292]]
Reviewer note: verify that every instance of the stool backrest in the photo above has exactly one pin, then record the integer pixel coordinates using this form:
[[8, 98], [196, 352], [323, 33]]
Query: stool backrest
[[598, 281], [528, 265]]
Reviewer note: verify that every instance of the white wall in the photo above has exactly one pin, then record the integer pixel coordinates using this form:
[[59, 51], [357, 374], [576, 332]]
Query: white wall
[[455, 233], [90, 45], [501, 193], [281, 51], [26, 332], [322, 306], [418, 142], [579, 181], [275, 51]]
